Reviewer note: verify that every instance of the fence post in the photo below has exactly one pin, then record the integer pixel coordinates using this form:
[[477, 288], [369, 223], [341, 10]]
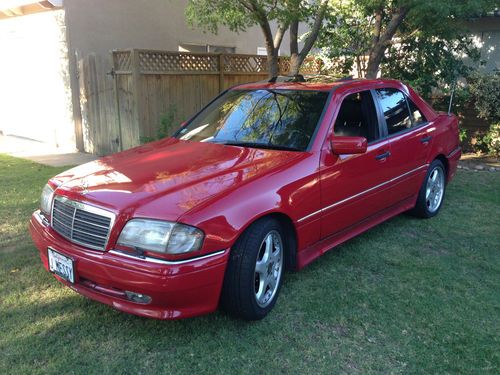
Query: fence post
[[136, 87], [116, 101], [221, 72]]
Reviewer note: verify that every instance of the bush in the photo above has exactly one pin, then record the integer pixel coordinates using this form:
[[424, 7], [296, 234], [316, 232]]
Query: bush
[[167, 122], [166, 127], [485, 94], [491, 140]]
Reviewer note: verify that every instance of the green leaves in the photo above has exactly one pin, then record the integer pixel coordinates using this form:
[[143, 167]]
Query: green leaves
[[485, 93], [210, 14], [427, 49]]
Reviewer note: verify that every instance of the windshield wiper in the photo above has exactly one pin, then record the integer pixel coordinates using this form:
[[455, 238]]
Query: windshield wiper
[[257, 145]]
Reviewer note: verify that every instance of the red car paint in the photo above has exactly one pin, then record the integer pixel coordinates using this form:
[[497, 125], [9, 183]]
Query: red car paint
[[222, 189]]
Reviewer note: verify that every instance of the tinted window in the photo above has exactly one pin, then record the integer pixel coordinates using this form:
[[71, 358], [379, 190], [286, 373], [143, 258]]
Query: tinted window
[[281, 118], [357, 117], [416, 116], [395, 110]]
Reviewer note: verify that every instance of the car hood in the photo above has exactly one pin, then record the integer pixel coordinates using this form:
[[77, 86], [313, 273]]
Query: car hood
[[167, 178]]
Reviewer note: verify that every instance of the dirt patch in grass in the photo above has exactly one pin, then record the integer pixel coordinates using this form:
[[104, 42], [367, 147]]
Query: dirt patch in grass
[[480, 162]]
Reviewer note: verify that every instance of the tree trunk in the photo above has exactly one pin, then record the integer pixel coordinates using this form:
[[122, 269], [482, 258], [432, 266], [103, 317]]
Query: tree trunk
[[294, 48], [295, 64], [381, 41], [296, 58], [374, 61], [272, 63], [272, 52]]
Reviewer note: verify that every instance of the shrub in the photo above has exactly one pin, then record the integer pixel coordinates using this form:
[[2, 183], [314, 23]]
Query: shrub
[[485, 94], [167, 123], [166, 126], [492, 139], [463, 135]]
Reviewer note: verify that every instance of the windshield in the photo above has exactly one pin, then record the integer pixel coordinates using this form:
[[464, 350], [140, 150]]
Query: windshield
[[280, 119]]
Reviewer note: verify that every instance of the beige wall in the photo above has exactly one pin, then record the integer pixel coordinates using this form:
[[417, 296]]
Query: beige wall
[[35, 100], [486, 32], [97, 26]]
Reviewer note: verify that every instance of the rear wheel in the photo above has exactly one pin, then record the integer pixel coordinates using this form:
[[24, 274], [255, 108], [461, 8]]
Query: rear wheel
[[431, 194], [254, 272]]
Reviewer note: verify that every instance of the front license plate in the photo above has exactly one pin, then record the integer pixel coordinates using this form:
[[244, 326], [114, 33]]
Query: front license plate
[[61, 265]]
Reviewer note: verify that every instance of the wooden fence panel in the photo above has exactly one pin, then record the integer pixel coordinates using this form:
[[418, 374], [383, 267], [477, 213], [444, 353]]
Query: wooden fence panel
[[123, 109], [126, 111], [98, 107]]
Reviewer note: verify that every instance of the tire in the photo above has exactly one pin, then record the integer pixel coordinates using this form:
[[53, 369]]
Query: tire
[[254, 272], [431, 193]]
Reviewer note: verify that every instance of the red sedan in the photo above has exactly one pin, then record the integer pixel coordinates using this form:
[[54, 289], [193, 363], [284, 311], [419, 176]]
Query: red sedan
[[267, 177]]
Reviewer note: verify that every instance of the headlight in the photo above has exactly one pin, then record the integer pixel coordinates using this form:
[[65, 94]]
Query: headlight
[[46, 199], [161, 236]]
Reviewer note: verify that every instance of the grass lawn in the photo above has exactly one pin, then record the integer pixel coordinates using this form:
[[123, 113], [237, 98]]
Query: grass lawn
[[410, 296]]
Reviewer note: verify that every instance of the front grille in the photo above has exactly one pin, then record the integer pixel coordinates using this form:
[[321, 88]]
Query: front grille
[[80, 223]]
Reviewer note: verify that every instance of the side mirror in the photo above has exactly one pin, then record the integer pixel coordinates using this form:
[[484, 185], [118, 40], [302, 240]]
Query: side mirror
[[348, 145]]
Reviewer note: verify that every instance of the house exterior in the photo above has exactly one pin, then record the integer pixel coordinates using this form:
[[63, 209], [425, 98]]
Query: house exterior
[[486, 33], [42, 42]]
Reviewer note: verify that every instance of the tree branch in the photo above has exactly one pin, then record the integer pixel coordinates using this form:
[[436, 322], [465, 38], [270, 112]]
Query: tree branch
[[263, 21], [313, 35], [294, 37], [280, 32], [396, 20], [377, 27], [378, 49]]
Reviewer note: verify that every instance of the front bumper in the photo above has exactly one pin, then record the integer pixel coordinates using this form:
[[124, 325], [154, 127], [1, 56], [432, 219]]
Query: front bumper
[[177, 290]]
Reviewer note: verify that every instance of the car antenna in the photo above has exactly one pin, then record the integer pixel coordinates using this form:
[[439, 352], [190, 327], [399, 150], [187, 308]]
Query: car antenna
[[451, 97]]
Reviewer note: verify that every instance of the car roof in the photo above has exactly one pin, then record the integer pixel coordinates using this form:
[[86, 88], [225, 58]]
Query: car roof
[[317, 86]]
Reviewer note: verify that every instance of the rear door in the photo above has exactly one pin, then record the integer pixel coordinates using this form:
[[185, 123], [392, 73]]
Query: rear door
[[352, 186], [410, 137]]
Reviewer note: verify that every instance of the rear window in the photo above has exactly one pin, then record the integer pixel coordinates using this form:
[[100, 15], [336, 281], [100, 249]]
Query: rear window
[[396, 113], [271, 118], [416, 116]]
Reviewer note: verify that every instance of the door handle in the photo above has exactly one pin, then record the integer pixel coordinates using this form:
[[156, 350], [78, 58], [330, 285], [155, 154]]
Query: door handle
[[426, 139], [385, 155]]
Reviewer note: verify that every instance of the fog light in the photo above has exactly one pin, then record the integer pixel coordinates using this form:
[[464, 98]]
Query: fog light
[[137, 297]]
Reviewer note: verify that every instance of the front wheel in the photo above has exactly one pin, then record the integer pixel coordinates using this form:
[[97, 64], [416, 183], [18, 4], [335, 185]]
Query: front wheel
[[254, 272], [431, 194]]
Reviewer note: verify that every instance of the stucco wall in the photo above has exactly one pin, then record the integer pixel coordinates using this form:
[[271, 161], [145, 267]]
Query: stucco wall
[[96, 26], [35, 100], [486, 32]]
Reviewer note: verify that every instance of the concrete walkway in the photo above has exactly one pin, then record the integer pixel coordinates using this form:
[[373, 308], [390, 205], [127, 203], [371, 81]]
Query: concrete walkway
[[42, 153]]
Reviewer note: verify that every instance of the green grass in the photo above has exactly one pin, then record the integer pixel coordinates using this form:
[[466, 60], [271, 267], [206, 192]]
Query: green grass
[[409, 296]]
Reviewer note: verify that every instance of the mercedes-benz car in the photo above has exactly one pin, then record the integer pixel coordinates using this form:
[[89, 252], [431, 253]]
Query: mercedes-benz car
[[266, 178]]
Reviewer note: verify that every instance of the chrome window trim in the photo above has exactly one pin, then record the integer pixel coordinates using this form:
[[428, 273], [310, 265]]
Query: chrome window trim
[[168, 262], [361, 193], [83, 207]]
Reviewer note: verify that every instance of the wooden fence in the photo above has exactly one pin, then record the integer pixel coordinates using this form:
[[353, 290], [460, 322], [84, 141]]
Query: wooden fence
[[125, 106]]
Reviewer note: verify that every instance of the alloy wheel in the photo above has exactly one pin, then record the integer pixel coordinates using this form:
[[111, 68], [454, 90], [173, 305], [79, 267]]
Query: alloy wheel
[[434, 189], [268, 268]]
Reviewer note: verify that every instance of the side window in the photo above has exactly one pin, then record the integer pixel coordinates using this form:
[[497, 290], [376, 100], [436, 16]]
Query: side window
[[357, 117], [417, 117], [395, 108]]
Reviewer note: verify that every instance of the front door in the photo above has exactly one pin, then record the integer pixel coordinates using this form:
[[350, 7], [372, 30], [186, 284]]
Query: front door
[[352, 186]]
